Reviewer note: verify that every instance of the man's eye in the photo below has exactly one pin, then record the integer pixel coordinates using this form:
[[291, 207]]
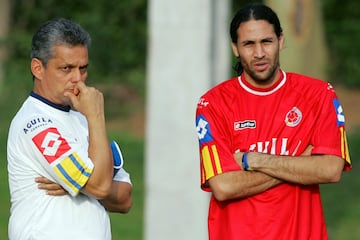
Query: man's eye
[[248, 43], [83, 69]]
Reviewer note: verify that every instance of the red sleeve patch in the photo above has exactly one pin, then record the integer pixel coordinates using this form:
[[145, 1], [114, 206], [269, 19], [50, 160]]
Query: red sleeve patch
[[51, 144]]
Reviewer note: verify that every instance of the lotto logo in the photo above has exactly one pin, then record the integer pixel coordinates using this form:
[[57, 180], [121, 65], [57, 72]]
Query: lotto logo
[[339, 113], [51, 144], [203, 129]]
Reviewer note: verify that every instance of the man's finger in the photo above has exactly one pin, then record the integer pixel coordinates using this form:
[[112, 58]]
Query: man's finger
[[80, 85], [48, 186], [71, 96], [42, 180], [59, 192]]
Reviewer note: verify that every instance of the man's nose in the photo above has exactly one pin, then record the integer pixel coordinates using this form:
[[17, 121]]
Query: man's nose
[[77, 75], [259, 51]]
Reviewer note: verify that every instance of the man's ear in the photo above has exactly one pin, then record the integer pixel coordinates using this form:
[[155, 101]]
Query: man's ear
[[281, 41], [37, 68], [235, 50]]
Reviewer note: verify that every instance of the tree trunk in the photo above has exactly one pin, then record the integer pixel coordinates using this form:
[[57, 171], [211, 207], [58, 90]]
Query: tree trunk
[[4, 28], [188, 52], [304, 50]]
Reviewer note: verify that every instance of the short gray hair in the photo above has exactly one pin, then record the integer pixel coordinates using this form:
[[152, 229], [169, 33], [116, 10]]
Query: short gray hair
[[54, 32]]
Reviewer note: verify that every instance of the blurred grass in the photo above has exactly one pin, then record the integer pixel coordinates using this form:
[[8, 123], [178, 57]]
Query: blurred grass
[[130, 225], [342, 200]]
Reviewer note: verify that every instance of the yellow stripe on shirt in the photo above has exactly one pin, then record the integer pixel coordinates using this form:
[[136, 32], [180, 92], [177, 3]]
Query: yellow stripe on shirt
[[210, 163], [73, 172], [209, 171], [344, 146], [216, 159]]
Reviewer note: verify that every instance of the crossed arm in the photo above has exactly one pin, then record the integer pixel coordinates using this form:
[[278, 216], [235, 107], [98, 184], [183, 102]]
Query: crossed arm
[[270, 170], [114, 195], [119, 199]]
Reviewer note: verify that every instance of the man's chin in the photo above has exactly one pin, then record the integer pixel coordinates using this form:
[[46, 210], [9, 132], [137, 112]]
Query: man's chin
[[264, 77], [66, 102]]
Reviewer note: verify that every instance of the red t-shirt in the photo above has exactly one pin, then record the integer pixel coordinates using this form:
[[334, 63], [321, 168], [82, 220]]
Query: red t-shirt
[[282, 120]]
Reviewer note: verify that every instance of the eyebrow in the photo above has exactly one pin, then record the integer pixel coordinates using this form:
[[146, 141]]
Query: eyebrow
[[73, 66], [268, 39]]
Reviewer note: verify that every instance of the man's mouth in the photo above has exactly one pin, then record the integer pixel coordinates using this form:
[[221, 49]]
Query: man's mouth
[[74, 91], [261, 66]]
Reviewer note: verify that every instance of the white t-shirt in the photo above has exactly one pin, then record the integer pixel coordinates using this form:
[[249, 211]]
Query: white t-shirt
[[52, 141]]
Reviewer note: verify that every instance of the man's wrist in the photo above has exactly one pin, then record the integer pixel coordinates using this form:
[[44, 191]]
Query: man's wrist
[[245, 163]]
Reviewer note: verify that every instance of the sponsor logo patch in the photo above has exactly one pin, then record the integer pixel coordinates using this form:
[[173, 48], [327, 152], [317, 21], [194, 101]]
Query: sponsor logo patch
[[35, 123], [51, 144], [244, 124], [202, 103]]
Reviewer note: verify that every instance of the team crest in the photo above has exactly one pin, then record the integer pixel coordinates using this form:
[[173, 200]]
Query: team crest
[[293, 117]]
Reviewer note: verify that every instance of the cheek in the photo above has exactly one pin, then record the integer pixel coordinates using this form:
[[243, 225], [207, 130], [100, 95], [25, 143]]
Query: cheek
[[275, 53], [244, 63], [245, 56], [84, 75]]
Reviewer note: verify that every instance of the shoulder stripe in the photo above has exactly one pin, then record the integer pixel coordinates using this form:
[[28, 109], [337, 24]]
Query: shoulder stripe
[[73, 172]]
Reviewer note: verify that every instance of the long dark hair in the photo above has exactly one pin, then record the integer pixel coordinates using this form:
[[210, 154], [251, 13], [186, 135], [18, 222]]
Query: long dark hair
[[253, 11]]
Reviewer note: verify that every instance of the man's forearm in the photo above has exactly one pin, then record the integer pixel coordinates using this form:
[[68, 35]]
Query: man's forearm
[[240, 184], [300, 169], [99, 183], [119, 200]]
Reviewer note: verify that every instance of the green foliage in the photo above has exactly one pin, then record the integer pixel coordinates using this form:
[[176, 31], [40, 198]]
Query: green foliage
[[341, 200], [117, 28], [343, 36]]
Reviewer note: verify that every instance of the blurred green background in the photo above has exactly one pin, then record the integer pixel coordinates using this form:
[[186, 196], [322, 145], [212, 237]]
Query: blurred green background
[[117, 66]]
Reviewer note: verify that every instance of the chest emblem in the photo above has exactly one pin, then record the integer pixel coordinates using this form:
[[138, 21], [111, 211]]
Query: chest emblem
[[293, 117]]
